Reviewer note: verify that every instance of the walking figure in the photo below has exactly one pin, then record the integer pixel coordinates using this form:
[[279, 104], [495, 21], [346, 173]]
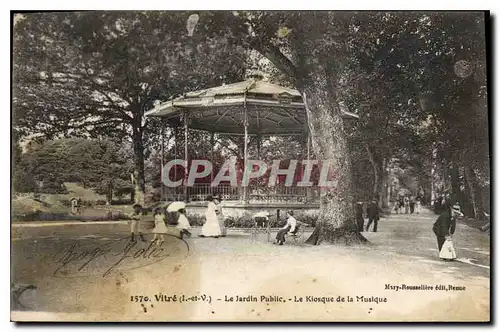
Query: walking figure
[[418, 205], [407, 204], [412, 204], [373, 215], [183, 223], [445, 225]]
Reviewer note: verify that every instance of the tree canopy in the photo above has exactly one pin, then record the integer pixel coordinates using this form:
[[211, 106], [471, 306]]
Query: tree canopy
[[416, 79]]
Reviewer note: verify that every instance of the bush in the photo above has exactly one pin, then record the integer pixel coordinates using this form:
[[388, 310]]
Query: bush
[[122, 202], [67, 202], [196, 220], [44, 216], [239, 222]]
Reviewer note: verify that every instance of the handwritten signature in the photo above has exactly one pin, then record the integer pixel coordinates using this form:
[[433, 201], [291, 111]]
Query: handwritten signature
[[120, 254]]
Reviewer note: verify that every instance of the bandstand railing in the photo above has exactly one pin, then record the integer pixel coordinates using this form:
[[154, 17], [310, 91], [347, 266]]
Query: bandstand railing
[[276, 194]]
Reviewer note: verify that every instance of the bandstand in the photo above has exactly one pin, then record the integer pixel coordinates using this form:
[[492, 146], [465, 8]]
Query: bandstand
[[249, 108]]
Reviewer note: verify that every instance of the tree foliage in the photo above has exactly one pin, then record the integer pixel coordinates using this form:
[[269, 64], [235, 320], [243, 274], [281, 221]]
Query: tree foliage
[[94, 74], [99, 164]]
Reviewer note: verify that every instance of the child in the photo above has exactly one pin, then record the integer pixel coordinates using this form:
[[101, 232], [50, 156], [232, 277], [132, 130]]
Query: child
[[160, 227], [183, 223], [396, 206], [136, 221], [220, 217]]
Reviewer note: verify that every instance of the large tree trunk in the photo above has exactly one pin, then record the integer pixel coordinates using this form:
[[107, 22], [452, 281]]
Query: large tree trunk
[[371, 158], [139, 185], [316, 73], [385, 185], [336, 216], [455, 185], [109, 193], [471, 182]]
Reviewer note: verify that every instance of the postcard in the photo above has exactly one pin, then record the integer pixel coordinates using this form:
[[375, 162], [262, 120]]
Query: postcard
[[250, 166]]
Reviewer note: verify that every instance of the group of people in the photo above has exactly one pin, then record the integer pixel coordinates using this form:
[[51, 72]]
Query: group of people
[[162, 218], [213, 226], [373, 214], [443, 228], [408, 204]]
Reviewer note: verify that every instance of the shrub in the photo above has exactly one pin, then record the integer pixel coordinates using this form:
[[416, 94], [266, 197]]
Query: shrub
[[196, 220], [239, 222], [122, 202]]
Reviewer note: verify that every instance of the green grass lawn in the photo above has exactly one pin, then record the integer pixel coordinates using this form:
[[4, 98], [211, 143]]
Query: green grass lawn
[[53, 204]]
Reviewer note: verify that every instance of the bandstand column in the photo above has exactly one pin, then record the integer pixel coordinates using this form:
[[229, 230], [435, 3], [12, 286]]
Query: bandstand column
[[162, 157], [186, 171], [245, 154], [212, 157], [258, 146], [308, 189], [176, 133]]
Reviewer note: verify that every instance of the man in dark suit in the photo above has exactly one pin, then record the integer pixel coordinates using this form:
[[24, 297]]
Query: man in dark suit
[[360, 221], [373, 215], [445, 224]]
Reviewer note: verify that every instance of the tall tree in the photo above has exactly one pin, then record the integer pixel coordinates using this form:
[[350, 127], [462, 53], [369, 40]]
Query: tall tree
[[311, 49], [94, 74]]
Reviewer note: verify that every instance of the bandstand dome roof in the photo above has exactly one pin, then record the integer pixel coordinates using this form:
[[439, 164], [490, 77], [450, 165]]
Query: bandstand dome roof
[[271, 109]]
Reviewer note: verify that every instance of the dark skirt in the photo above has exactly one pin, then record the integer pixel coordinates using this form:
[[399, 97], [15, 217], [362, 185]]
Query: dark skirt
[[280, 237]]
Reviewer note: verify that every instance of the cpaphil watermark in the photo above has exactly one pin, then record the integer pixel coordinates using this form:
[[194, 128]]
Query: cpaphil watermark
[[253, 170]]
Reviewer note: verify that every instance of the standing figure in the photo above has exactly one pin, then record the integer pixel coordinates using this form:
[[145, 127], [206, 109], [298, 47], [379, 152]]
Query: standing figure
[[396, 206], [79, 206], [160, 227], [74, 205], [406, 201], [360, 221], [291, 224], [135, 223], [412, 204], [437, 205], [220, 217], [446, 202], [373, 215], [211, 228], [183, 223], [418, 205], [445, 224]]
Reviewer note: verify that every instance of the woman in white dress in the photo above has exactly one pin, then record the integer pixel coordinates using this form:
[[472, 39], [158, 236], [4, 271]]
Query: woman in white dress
[[211, 228]]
